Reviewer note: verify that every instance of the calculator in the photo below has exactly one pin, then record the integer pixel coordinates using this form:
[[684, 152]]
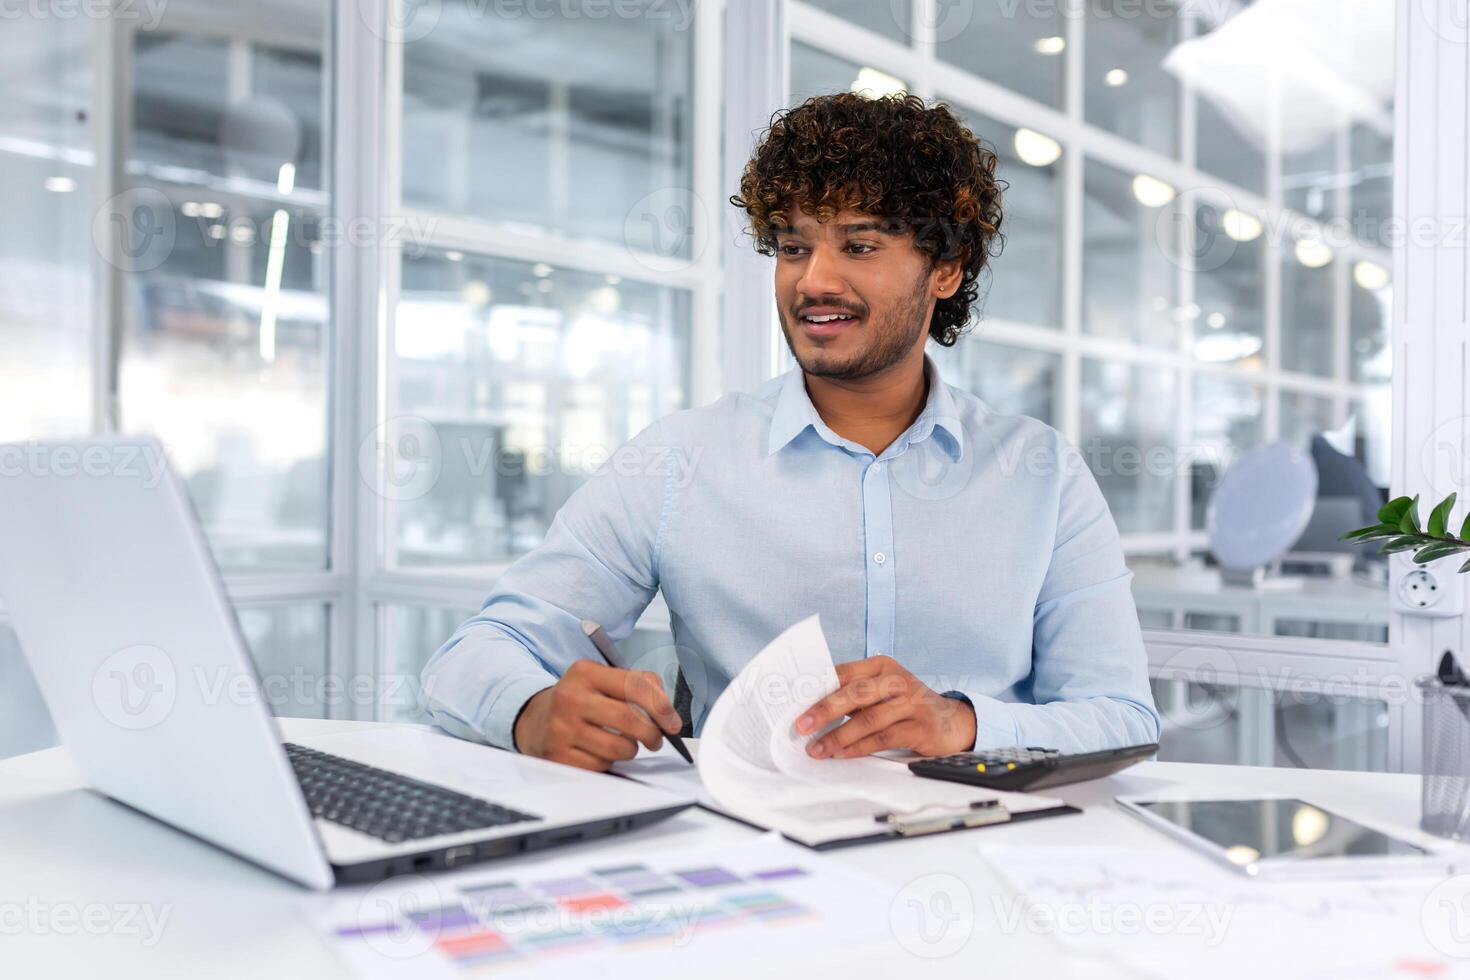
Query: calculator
[[1016, 769]]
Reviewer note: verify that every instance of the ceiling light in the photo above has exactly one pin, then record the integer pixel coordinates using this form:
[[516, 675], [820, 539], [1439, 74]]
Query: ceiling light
[[1309, 825], [59, 185], [1152, 192], [275, 264], [1313, 254], [875, 84], [1370, 275], [1241, 226], [541, 270], [1035, 149], [1116, 77], [1050, 45], [1226, 348], [604, 300], [454, 256], [475, 293]]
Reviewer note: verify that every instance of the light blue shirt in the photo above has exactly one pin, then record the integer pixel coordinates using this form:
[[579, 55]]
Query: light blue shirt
[[976, 549]]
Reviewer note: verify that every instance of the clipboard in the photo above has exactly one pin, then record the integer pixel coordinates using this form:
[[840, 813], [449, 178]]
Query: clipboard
[[928, 821], [924, 822]]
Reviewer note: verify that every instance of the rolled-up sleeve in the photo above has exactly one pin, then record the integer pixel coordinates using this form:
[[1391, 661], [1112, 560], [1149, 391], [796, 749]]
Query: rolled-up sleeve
[[1089, 679], [599, 561]]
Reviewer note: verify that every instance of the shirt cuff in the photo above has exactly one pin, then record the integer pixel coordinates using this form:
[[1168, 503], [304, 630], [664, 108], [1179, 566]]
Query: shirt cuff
[[498, 725], [995, 726]]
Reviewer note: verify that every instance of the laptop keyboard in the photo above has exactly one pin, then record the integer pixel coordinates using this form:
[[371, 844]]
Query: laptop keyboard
[[386, 805]]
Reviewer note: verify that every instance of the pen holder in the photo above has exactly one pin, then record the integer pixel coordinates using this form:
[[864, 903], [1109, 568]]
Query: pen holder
[[1446, 793]]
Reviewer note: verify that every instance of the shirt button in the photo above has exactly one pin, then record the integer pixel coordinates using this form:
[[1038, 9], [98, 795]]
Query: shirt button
[[880, 558]]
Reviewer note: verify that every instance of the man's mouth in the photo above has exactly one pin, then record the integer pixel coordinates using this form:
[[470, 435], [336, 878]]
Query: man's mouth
[[827, 324]]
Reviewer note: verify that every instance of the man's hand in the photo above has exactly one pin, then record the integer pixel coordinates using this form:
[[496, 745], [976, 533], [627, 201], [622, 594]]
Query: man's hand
[[569, 721], [890, 709]]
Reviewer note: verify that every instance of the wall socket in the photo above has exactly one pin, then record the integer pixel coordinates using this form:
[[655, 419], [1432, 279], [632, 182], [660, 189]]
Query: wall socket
[[1433, 590]]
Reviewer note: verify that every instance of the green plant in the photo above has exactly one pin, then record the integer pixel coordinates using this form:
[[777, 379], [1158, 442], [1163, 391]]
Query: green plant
[[1398, 524]]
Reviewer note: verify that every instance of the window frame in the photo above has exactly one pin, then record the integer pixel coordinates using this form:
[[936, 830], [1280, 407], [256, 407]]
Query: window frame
[[1323, 664], [735, 344]]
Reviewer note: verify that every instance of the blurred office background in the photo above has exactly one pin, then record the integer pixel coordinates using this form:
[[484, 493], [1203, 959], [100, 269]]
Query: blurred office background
[[1194, 268]]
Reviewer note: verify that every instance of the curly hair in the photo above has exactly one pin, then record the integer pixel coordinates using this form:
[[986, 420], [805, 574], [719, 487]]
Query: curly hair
[[914, 166]]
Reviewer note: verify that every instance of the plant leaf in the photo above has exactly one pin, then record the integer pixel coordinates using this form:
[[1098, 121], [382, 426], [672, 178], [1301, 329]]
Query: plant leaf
[[1407, 542], [1393, 511], [1465, 529], [1465, 567], [1371, 532], [1437, 550], [1409, 523], [1440, 515]]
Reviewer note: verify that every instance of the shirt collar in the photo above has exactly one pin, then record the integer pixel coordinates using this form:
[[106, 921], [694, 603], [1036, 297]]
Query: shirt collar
[[794, 412]]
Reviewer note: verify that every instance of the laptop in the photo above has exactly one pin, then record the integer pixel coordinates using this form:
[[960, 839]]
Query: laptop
[[136, 650]]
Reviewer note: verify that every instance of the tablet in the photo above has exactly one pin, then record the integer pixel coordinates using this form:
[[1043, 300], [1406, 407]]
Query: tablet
[[1283, 838]]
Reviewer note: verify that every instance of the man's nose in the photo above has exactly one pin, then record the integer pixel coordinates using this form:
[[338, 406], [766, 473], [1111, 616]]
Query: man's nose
[[820, 278]]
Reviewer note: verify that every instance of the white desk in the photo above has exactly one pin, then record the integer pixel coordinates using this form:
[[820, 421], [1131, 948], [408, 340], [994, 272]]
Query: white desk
[[63, 847]]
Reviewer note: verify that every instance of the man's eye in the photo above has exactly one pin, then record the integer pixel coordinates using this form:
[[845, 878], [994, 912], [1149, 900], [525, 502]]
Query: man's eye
[[861, 248], [791, 249]]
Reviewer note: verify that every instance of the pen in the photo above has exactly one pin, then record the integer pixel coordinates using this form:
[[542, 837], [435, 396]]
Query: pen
[[609, 654]]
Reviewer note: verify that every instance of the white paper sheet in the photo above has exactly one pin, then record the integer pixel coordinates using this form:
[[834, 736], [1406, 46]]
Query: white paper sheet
[[667, 770], [1172, 913], [754, 763]]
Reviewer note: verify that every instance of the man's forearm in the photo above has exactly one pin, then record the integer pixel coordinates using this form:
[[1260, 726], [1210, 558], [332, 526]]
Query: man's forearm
[[476, 685], [1085, 725]]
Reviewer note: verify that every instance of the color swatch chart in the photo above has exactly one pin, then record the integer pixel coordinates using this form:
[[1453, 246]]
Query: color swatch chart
[[680, 907]]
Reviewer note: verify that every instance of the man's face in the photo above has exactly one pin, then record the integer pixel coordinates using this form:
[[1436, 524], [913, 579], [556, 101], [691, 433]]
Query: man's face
[[877, 284]]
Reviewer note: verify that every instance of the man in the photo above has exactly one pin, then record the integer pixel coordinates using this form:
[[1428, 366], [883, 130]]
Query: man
[[965, 566]]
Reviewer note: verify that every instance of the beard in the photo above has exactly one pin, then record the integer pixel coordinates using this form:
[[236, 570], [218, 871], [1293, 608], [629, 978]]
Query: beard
[[885, 341]]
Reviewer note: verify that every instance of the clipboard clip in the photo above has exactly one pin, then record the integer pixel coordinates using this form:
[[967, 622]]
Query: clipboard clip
[[915, 823]]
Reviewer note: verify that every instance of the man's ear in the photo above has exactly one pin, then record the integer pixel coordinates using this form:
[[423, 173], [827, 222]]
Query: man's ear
[[946, 277]]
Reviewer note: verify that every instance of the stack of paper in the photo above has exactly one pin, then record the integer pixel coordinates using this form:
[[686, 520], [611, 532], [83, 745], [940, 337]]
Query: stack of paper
[[753, 764]]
